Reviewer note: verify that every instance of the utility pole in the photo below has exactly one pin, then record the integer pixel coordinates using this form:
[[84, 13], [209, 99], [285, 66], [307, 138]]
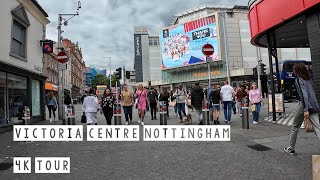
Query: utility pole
[[61, 72]]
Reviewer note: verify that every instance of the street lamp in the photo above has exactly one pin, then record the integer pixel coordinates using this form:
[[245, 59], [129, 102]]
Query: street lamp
[[110, 70], [61, 72]]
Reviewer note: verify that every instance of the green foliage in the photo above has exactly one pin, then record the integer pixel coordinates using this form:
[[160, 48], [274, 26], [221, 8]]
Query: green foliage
[[102, 80]]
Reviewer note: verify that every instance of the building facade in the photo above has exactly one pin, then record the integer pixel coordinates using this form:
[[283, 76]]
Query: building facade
[[147, 62], [51, 72], [236, 56], [76, 72], [22, 82], [91, 73]]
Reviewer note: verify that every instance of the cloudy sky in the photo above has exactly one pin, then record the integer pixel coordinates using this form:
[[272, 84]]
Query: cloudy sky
[[105, 27]]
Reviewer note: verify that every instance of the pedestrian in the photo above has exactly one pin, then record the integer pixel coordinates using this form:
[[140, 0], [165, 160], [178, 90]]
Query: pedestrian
[[197, 96], [241, 96], [141, 96], [52, 106], [127, 103], [67, 99], [83, 96], [308, 107], [255, 97], [153, 100], [107, 103], [189, 105], [174, 100], [164, 96], [90, 107], [181, 95], [227, 93], [215, 99]]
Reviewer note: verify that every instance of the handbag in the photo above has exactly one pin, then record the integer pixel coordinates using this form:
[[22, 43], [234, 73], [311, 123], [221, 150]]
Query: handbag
[[83, 118], [253, 107], [54, 108], [172, 103], [308, 125]]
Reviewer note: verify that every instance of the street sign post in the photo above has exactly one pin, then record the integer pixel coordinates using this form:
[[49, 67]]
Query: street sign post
[[208, 51], [62, 57]]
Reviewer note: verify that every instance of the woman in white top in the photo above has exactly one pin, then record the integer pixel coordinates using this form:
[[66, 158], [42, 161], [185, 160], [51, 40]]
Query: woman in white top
[[90, 107]]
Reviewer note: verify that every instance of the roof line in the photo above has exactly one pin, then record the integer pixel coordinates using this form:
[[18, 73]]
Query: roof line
[[35, 2]]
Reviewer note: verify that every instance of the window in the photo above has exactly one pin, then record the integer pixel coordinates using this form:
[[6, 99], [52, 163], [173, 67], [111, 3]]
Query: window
[[18, 39], [150, 42], [155, 42]]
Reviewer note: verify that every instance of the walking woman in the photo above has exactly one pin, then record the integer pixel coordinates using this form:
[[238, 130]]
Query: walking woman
[[215, 100], [52, 106], [164, 96], [255, 98], [90, 107], [107, 103], [141, 96], [308, 106]]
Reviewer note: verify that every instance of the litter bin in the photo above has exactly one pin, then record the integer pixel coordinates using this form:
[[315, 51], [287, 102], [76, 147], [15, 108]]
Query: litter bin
[[117, 113], [245, 113], [205, 112], [163, 112]]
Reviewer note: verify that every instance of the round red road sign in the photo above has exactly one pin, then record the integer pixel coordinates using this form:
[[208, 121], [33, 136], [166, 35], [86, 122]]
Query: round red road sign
[[207, 50], [62, 57]]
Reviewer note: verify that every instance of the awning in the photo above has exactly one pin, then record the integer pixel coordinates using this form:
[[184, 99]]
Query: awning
[[51, 87]]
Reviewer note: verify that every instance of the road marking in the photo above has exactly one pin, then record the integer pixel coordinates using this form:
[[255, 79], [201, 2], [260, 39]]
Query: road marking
[[286, 120]]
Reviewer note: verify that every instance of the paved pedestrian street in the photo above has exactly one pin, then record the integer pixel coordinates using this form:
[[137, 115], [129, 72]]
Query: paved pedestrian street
[[174, 160]]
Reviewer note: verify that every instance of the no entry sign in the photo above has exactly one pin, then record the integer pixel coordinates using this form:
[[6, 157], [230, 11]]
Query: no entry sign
[[62, 57], [207, 50]]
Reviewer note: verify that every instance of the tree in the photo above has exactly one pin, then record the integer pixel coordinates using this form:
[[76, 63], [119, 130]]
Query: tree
[[99, 80]]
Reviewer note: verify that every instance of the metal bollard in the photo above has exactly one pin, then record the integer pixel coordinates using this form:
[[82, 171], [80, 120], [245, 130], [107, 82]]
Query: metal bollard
[[205, 113], [117, 114], [163, 112], [245, 117]]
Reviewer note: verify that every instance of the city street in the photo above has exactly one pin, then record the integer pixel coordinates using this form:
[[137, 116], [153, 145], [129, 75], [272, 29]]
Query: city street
[[175, 160]]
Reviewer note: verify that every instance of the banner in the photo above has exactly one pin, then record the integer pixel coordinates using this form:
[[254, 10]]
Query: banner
[[278, 102]]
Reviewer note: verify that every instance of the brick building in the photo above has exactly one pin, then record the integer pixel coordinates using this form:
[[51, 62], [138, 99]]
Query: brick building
[[51, 71]]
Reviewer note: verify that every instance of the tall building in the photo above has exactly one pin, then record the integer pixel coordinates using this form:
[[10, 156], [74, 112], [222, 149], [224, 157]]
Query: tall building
[[77, 68], [227, 29], [104, 72], [91, 73], [22, 81], [147, 61]]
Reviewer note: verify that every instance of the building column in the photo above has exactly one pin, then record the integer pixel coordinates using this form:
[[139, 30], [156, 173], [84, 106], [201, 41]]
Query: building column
[[313, 26]]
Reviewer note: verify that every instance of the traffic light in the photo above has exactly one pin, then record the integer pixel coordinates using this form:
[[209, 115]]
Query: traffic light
[[118, 73], [128, 74], [255, 72], [262, 69]]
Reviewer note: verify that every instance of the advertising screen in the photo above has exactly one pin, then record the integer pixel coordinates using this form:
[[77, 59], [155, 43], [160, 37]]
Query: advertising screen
[[182, 44]]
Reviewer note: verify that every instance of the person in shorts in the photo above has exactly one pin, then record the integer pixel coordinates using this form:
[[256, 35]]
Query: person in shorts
[[215, 99]]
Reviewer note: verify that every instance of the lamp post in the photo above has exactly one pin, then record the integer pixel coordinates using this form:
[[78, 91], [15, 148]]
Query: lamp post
[[109, 71], [61, 72]]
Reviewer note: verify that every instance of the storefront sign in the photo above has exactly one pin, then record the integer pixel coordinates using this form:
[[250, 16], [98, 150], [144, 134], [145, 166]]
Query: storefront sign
[[203, 74]]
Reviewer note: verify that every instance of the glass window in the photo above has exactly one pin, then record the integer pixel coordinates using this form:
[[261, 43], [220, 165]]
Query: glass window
[[18, 39], [249, 52], [3, 92], [35, 98], [155, 42], [288, 54], [17, 90], [150, 42]]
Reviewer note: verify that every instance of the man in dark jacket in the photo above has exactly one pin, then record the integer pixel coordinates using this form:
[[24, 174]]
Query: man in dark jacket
[[153, 99], [197, 97]]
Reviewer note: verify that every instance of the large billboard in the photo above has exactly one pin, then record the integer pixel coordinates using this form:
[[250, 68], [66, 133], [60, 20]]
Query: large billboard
[[181, 44]]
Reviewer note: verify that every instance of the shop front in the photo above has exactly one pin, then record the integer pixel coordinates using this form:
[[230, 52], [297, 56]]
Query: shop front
[[20, 88]]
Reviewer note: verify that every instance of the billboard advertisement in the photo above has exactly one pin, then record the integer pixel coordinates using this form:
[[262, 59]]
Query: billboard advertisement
[[138, 57], [181, 44]]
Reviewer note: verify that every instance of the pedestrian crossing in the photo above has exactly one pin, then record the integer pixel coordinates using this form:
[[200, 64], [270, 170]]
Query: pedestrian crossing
[[286, 119]]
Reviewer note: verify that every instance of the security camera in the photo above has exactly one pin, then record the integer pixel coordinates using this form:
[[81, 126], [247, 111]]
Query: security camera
[[66, 23], [79, 5]]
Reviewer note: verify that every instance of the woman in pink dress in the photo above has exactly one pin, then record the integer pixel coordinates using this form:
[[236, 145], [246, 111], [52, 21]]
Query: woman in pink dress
[[141, 96]]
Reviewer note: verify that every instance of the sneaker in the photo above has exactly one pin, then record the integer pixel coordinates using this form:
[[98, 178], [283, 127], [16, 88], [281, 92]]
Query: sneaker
[[240, 115], [139, 121], [229, 122], [50, 120], [289, 150], [255, 122], [226, 121], [127, 123], [142, 123], [200, 123]]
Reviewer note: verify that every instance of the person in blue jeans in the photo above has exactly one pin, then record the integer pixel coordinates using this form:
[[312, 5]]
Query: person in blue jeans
[[227, 94], [181, 95], [255, 97]]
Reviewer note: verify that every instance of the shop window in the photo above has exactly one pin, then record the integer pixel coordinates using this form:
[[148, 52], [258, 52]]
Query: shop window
[[3, 92], [35, 98], [17, 90]]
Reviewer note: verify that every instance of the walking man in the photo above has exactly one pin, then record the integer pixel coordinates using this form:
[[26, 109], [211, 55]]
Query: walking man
[[227, 93], [153, 99], [127, 103], [197, 96]]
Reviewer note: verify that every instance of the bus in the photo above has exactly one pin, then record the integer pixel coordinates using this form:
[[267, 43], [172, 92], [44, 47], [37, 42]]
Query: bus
[[287, 77], [99, 91]]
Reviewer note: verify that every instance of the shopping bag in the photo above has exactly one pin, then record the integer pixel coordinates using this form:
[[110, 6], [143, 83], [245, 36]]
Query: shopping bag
[[308, 125], [316, 166], [83, 118], [253, 108]]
